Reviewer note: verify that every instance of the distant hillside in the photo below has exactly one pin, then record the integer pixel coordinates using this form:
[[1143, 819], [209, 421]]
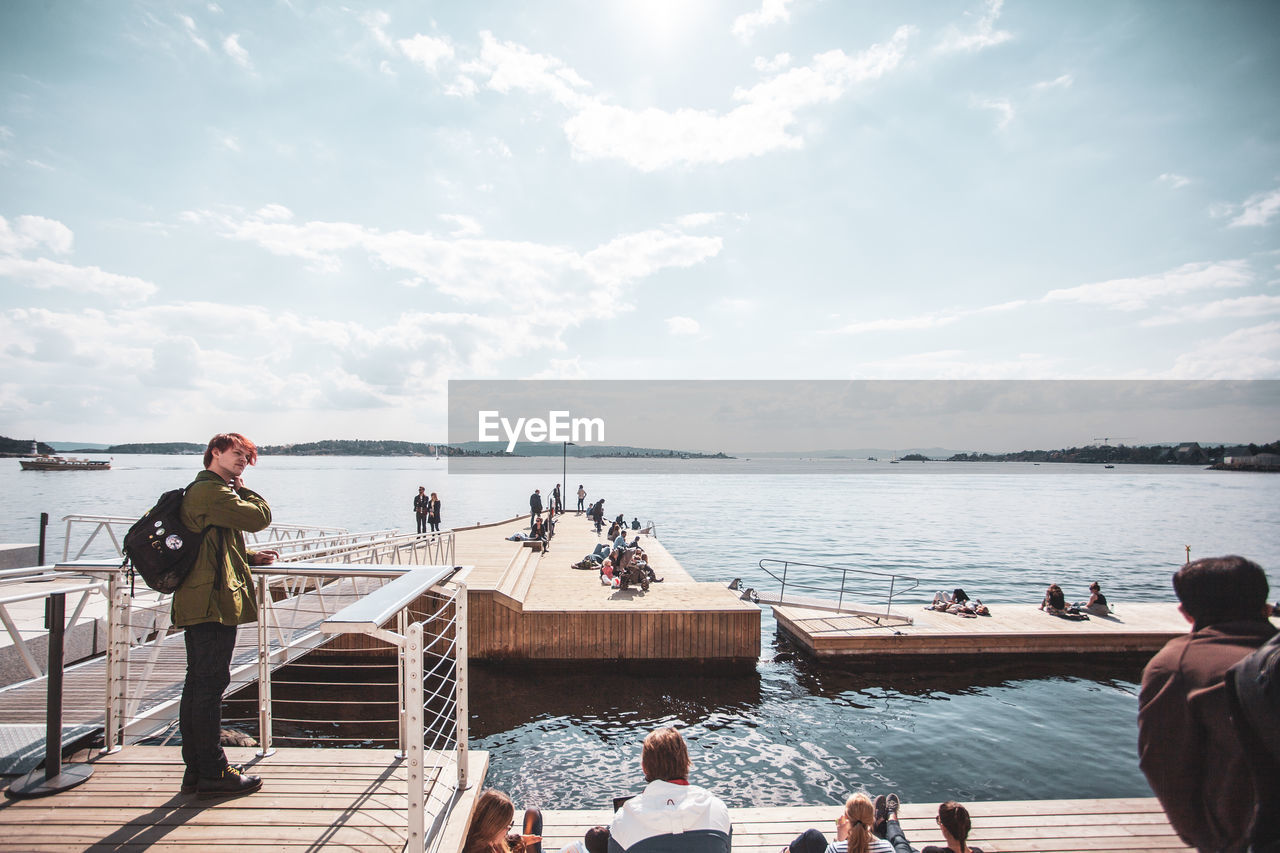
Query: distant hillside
[[343, 447], [20, 446], [1187, 453], [164, 448], [585, 451]]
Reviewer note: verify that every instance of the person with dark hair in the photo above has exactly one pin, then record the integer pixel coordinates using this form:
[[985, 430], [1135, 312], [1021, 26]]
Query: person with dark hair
[[670, 815], [214, 600], [535, 507], [489, 830], [1187, 742], [596, 840], [433, 513], [1055, 601], [421, 508], [1097, 603], [582, 496]]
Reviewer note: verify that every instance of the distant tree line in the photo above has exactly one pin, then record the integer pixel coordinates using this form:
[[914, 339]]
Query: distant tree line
[[1190, 453], [20, 446]]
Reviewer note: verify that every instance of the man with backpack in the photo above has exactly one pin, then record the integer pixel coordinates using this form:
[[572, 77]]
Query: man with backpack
[[217, 597], [1187, 741]]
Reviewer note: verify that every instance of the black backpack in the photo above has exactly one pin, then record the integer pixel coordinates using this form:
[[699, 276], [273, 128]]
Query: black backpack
[[160, 547]]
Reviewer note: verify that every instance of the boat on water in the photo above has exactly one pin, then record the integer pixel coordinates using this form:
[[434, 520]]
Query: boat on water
[[45, 462]]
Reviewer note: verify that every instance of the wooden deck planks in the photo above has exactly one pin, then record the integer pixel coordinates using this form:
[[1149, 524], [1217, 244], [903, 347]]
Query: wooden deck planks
[[1011, 629], [1125, 825], [539, 608], [311, 799]]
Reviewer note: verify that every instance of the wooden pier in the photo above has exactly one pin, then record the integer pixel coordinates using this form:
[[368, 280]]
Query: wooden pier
[[311, 799], [1126, 825], [526, 604], [1011, 629]]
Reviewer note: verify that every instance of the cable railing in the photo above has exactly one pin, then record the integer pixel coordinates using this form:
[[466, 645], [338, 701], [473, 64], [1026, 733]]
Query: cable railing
[[845, 589], [113, 528]]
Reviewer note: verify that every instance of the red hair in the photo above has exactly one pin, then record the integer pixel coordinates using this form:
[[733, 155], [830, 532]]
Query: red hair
[[224, 441]]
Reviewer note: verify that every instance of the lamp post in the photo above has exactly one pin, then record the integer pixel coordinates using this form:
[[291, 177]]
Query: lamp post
[[564, 468]]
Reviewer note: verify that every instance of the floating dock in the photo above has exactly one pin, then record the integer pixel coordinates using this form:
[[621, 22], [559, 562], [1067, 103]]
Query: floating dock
[[1011, 629], [526, 604]]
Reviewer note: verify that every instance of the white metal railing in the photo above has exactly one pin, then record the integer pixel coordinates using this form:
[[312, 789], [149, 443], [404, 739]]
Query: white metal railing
[[432, 686], [115, 526], [15, 588]]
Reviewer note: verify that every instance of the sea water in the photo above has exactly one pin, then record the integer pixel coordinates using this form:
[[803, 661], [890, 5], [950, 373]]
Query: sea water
[[794, 731]]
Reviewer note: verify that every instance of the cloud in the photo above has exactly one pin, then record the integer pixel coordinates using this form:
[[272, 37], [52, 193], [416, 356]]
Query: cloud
[[653, 139], [513, 67], [45, 274], [426, 50], [32, 232], [1244, 306], [563, 287], [1249, 353], [376, 22], [982, 36], [682, 326], [193, 33], [697, 220], [1174, 181], [466, 225], [1002, 106], [1135, 294], [1062, 81], [959, 364], [769, 66], [745, 26], [231, 46], [1258, 209]]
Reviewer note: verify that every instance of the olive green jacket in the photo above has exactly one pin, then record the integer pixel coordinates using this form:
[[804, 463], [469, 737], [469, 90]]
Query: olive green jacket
[[220, 586]]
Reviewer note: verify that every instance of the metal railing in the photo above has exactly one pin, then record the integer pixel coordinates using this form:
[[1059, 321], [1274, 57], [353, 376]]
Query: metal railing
[[844, 583], [115, 526], [15, 588]]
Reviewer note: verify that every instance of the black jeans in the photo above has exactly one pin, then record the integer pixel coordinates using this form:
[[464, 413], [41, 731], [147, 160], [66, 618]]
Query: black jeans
[[209, 649], [891, 831], [422, 524]]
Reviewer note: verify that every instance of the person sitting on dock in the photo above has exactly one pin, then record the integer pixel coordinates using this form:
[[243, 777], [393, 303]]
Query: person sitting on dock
[[670, 815], [853, 832], [1097, 604], [1055, 604], [596, 840], [1188, 746], [490, 824], [635, 523]]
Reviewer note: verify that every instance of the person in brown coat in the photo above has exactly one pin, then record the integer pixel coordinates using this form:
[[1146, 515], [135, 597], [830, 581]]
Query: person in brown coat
[[1187, 743]]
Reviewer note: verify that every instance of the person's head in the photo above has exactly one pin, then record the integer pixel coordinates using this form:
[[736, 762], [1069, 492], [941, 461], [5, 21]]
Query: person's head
[[954, 820], [1221, 589], [433, 496], [597, 839], [860, 816], [1094, 587], [421, 489], [1056, 596], [664, 756], [959, 595], [537, 491], [490, 822], [228, 453]]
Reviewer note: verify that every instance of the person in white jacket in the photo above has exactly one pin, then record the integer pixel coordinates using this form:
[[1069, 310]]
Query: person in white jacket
[[670, 816]]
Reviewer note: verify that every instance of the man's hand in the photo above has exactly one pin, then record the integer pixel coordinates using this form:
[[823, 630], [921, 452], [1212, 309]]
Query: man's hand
[[237, 482], [264, 558]]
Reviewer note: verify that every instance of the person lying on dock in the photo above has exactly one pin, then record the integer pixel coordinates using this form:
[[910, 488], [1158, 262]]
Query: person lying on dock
[[959, 603], [1097, 604], [490, 824]]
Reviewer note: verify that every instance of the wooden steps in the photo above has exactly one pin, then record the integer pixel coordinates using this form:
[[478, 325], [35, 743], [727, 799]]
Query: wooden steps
[[517, 578]]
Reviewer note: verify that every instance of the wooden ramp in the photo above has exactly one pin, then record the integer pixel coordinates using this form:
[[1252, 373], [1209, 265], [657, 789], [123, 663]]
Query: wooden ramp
[[1012, 629], [1125, 825], [311, 799]]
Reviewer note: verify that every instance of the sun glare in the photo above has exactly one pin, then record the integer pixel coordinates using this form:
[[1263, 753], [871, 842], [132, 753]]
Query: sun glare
[[660, 22]]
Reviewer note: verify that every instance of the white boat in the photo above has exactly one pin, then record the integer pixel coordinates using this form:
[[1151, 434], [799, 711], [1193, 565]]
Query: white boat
[[45, 462]]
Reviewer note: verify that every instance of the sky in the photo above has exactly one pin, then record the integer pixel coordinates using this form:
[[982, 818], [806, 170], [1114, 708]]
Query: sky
[[300, 220]]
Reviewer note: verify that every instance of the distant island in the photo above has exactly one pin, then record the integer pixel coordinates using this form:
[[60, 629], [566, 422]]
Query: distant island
[[1242, 457]]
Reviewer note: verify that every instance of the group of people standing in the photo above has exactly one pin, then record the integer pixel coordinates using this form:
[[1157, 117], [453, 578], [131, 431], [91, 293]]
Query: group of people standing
[[426, 510]]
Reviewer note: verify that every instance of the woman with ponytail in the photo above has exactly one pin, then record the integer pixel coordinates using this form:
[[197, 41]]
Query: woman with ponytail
[[853, 832]]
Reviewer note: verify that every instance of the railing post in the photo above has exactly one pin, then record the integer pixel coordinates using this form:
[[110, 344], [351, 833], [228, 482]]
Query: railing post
[[460, 679], [117, 661], [402, 628], [889, 607], [416, 750], [264, 672]]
